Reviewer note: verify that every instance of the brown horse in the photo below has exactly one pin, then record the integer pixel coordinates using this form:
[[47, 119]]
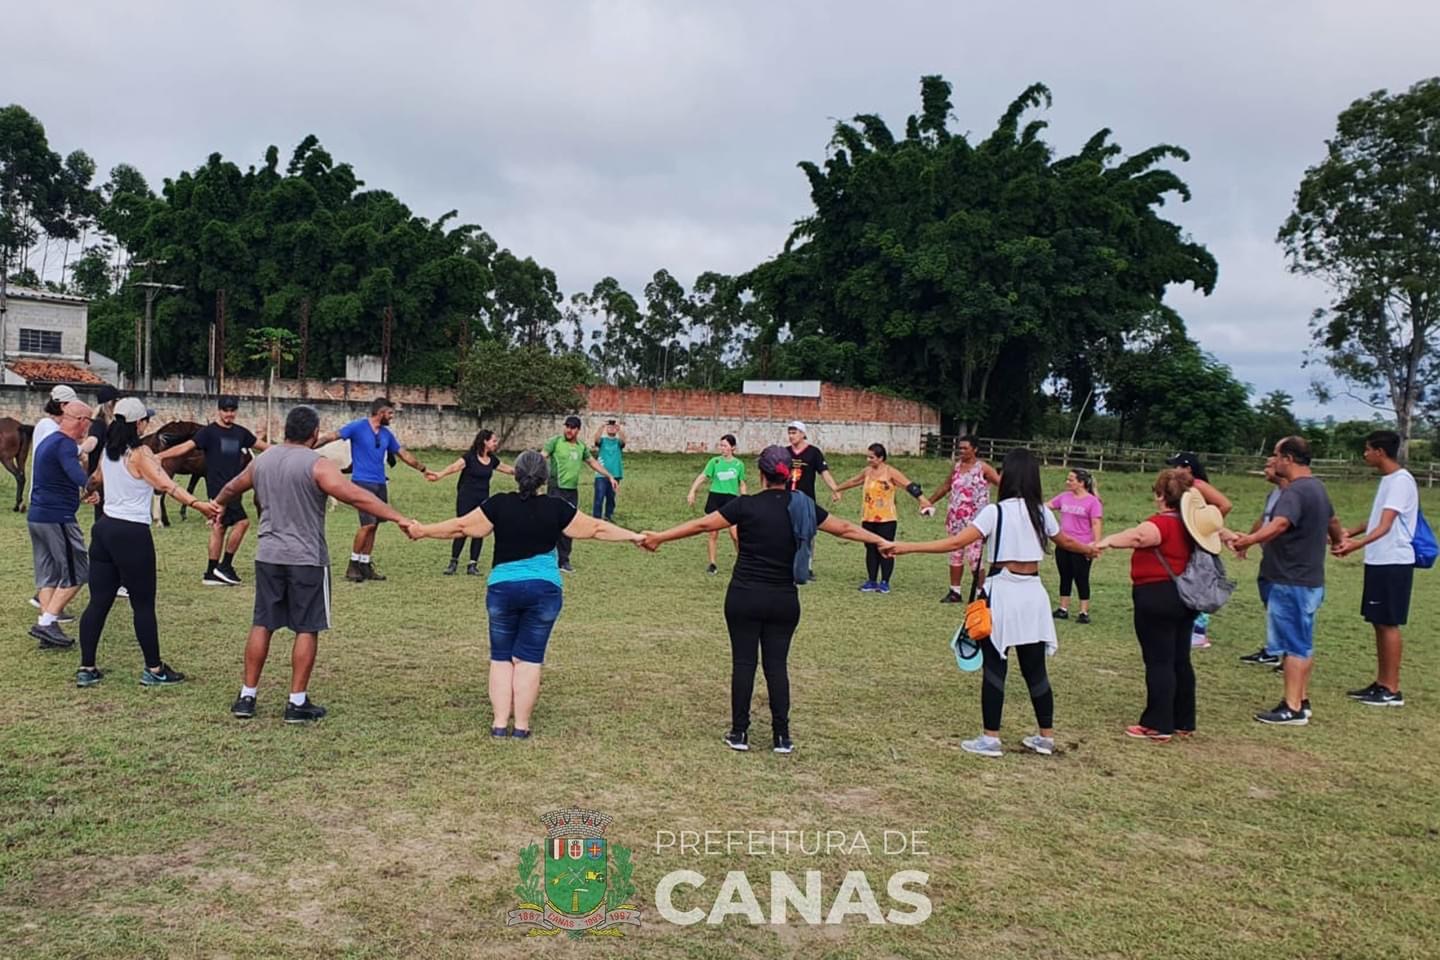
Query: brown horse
[[192, 464], [14, 448]]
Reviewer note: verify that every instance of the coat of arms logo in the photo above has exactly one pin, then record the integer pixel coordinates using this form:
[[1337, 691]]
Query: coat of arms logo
[[584, 887]]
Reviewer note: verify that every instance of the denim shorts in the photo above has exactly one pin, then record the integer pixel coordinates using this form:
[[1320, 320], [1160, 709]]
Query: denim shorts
[[1290, 619], [522, 613]]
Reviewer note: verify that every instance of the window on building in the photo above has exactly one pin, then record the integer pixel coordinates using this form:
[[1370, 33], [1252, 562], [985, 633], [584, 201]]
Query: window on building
[[39, 341]]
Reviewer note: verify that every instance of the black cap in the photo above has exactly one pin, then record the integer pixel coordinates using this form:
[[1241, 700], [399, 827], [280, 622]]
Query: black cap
[[228, 401], [1185, 459], [106, 394], [572, 421]]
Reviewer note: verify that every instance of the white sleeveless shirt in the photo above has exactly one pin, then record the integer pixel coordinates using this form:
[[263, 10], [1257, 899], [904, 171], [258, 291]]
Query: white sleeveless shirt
[[126, 498]]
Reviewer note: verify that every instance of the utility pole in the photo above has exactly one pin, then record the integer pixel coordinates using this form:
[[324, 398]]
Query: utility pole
[[304, 343], [151, 288], [385, 346]]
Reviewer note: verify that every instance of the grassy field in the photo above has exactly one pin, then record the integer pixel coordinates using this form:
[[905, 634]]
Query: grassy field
[[142, 822]]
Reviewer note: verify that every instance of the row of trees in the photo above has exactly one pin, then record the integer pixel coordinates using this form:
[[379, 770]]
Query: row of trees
[[991, 277]]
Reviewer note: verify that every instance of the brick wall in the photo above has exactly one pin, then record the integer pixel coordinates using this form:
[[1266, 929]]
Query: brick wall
[[841, 419]]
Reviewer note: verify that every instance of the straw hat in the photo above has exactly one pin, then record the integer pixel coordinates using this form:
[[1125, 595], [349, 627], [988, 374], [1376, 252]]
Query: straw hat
[[1203, 521]]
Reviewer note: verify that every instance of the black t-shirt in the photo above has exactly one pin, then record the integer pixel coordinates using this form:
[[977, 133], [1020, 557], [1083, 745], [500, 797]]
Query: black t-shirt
[[98, 429], [805, 466], [767, 544], [526, 527], [475, 475], [224, 449]]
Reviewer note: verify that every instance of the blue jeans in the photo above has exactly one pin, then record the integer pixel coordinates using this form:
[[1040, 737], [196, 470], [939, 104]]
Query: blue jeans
[[522, 613], [604, 496]]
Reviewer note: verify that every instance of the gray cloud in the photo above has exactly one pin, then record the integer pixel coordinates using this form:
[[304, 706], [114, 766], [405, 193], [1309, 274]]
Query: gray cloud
[[618, 138]]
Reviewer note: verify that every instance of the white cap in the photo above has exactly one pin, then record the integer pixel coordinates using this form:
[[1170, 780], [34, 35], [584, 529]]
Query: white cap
[[797, 425], [63, 394], [133, 410]]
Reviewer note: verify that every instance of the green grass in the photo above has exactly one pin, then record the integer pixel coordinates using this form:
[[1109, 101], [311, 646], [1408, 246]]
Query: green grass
[[140, 822]]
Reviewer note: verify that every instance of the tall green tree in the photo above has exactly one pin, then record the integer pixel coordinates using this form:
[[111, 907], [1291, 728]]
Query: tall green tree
[[1274, 419], [1169, 391], [1367, 221], [503, 383], [950, 265]]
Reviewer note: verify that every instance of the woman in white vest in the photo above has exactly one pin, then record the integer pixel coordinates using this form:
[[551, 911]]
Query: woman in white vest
[[122, 553], [1019, 603]]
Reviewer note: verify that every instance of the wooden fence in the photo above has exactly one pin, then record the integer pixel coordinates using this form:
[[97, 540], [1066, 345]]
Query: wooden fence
[[1100, 457]]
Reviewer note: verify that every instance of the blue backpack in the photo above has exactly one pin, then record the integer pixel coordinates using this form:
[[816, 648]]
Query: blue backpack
[[803, 527], [1423, 542]]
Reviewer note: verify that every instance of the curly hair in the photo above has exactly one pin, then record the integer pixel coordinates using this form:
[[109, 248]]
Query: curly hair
[[1171, 485]]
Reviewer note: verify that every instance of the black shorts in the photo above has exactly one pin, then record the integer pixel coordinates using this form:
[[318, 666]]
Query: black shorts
[[289, 595], [381, 491], [234, 513], [717, 500], [1386, 599]]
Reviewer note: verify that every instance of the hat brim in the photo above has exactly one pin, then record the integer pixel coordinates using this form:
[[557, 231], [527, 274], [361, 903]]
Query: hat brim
[[968, 655], [1191, 504]]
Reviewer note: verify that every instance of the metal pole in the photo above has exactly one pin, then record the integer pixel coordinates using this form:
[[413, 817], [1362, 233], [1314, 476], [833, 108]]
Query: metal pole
[[148, 378]]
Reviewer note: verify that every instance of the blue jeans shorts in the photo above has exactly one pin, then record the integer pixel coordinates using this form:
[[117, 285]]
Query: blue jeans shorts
[[522, 613], [1290, 619]]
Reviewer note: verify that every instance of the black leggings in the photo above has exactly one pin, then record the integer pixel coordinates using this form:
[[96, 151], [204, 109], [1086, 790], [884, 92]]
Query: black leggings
[[761, 621], [464, 503], [1163, 625], [878, 568], [122, 554], [1032, 667], [1074, 567]]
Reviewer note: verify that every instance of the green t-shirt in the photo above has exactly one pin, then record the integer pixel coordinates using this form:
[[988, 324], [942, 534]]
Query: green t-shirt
[[725, 475], [565, 460], [610, 455]]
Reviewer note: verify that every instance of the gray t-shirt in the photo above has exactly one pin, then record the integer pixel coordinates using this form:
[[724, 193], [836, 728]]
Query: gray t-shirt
[[292, 508], [1297, 556]]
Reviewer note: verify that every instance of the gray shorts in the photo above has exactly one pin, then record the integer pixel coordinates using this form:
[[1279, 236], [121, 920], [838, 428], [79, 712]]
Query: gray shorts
[[382, 493], [291, 595], [60, 556]]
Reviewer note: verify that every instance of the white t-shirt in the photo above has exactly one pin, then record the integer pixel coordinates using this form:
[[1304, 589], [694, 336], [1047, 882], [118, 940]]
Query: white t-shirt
[[1396, 492], [45, 426], [1017, 533]]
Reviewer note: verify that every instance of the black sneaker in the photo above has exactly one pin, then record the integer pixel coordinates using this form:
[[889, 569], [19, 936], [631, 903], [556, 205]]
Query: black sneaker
[[783, 745], [227, 573], [737, 740], [1305, 709], [1261, 658], [306, 712], [212, 578], [1382, 697], [243, 708], [1282, 715], [812, 575], [161, 676], [1279, 667], [88, 676], [368, 569], [566, 567], [1061, 614], [1364, 692], [451, 568], [355, 572], [35, 602], [64, 616], [51, 637], [952, 597], [472, 569], [712, 570], [1083, 619]]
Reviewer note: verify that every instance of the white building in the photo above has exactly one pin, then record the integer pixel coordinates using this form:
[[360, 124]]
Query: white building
[[44, 337]]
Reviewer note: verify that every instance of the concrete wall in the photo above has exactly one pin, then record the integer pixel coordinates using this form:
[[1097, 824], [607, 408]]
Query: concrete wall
[[67, 318], [840, 420]]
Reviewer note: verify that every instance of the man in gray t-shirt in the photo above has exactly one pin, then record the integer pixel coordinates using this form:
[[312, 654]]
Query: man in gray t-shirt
[[292, 562], [1296, 537]]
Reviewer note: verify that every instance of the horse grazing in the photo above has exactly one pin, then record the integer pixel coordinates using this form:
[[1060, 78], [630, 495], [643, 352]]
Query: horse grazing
[[173, 434], [14, 448]]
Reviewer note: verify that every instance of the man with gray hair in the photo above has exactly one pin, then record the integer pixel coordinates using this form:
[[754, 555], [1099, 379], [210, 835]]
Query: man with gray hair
[[62, 565], [292, 562]]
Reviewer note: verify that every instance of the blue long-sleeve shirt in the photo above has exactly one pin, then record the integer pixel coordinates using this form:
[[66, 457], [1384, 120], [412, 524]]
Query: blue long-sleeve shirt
[[55, 489]]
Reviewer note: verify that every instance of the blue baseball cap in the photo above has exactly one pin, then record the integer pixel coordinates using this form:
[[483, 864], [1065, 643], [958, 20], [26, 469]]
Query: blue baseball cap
[[967, 651]]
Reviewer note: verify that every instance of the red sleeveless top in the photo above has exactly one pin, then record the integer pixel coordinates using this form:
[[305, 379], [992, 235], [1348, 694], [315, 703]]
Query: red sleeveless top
[[1175, 545]]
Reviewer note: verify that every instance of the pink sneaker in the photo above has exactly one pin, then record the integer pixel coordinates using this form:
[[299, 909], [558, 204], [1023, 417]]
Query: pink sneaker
[[1146, 733]]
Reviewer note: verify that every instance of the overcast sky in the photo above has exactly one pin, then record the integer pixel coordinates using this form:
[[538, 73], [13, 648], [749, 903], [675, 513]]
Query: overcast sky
[[617, 138]]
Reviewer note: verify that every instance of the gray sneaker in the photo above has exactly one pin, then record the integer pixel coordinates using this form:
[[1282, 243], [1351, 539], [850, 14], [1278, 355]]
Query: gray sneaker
[[51, 636], [1041, 745], [983, 746]]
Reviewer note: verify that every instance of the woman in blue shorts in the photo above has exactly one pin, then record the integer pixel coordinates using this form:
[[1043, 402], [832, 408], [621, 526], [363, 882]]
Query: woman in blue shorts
[[523, 596]]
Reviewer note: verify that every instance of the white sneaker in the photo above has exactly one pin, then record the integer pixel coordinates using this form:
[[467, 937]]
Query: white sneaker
[[1041, 745], [983, 746], [123, 594]]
